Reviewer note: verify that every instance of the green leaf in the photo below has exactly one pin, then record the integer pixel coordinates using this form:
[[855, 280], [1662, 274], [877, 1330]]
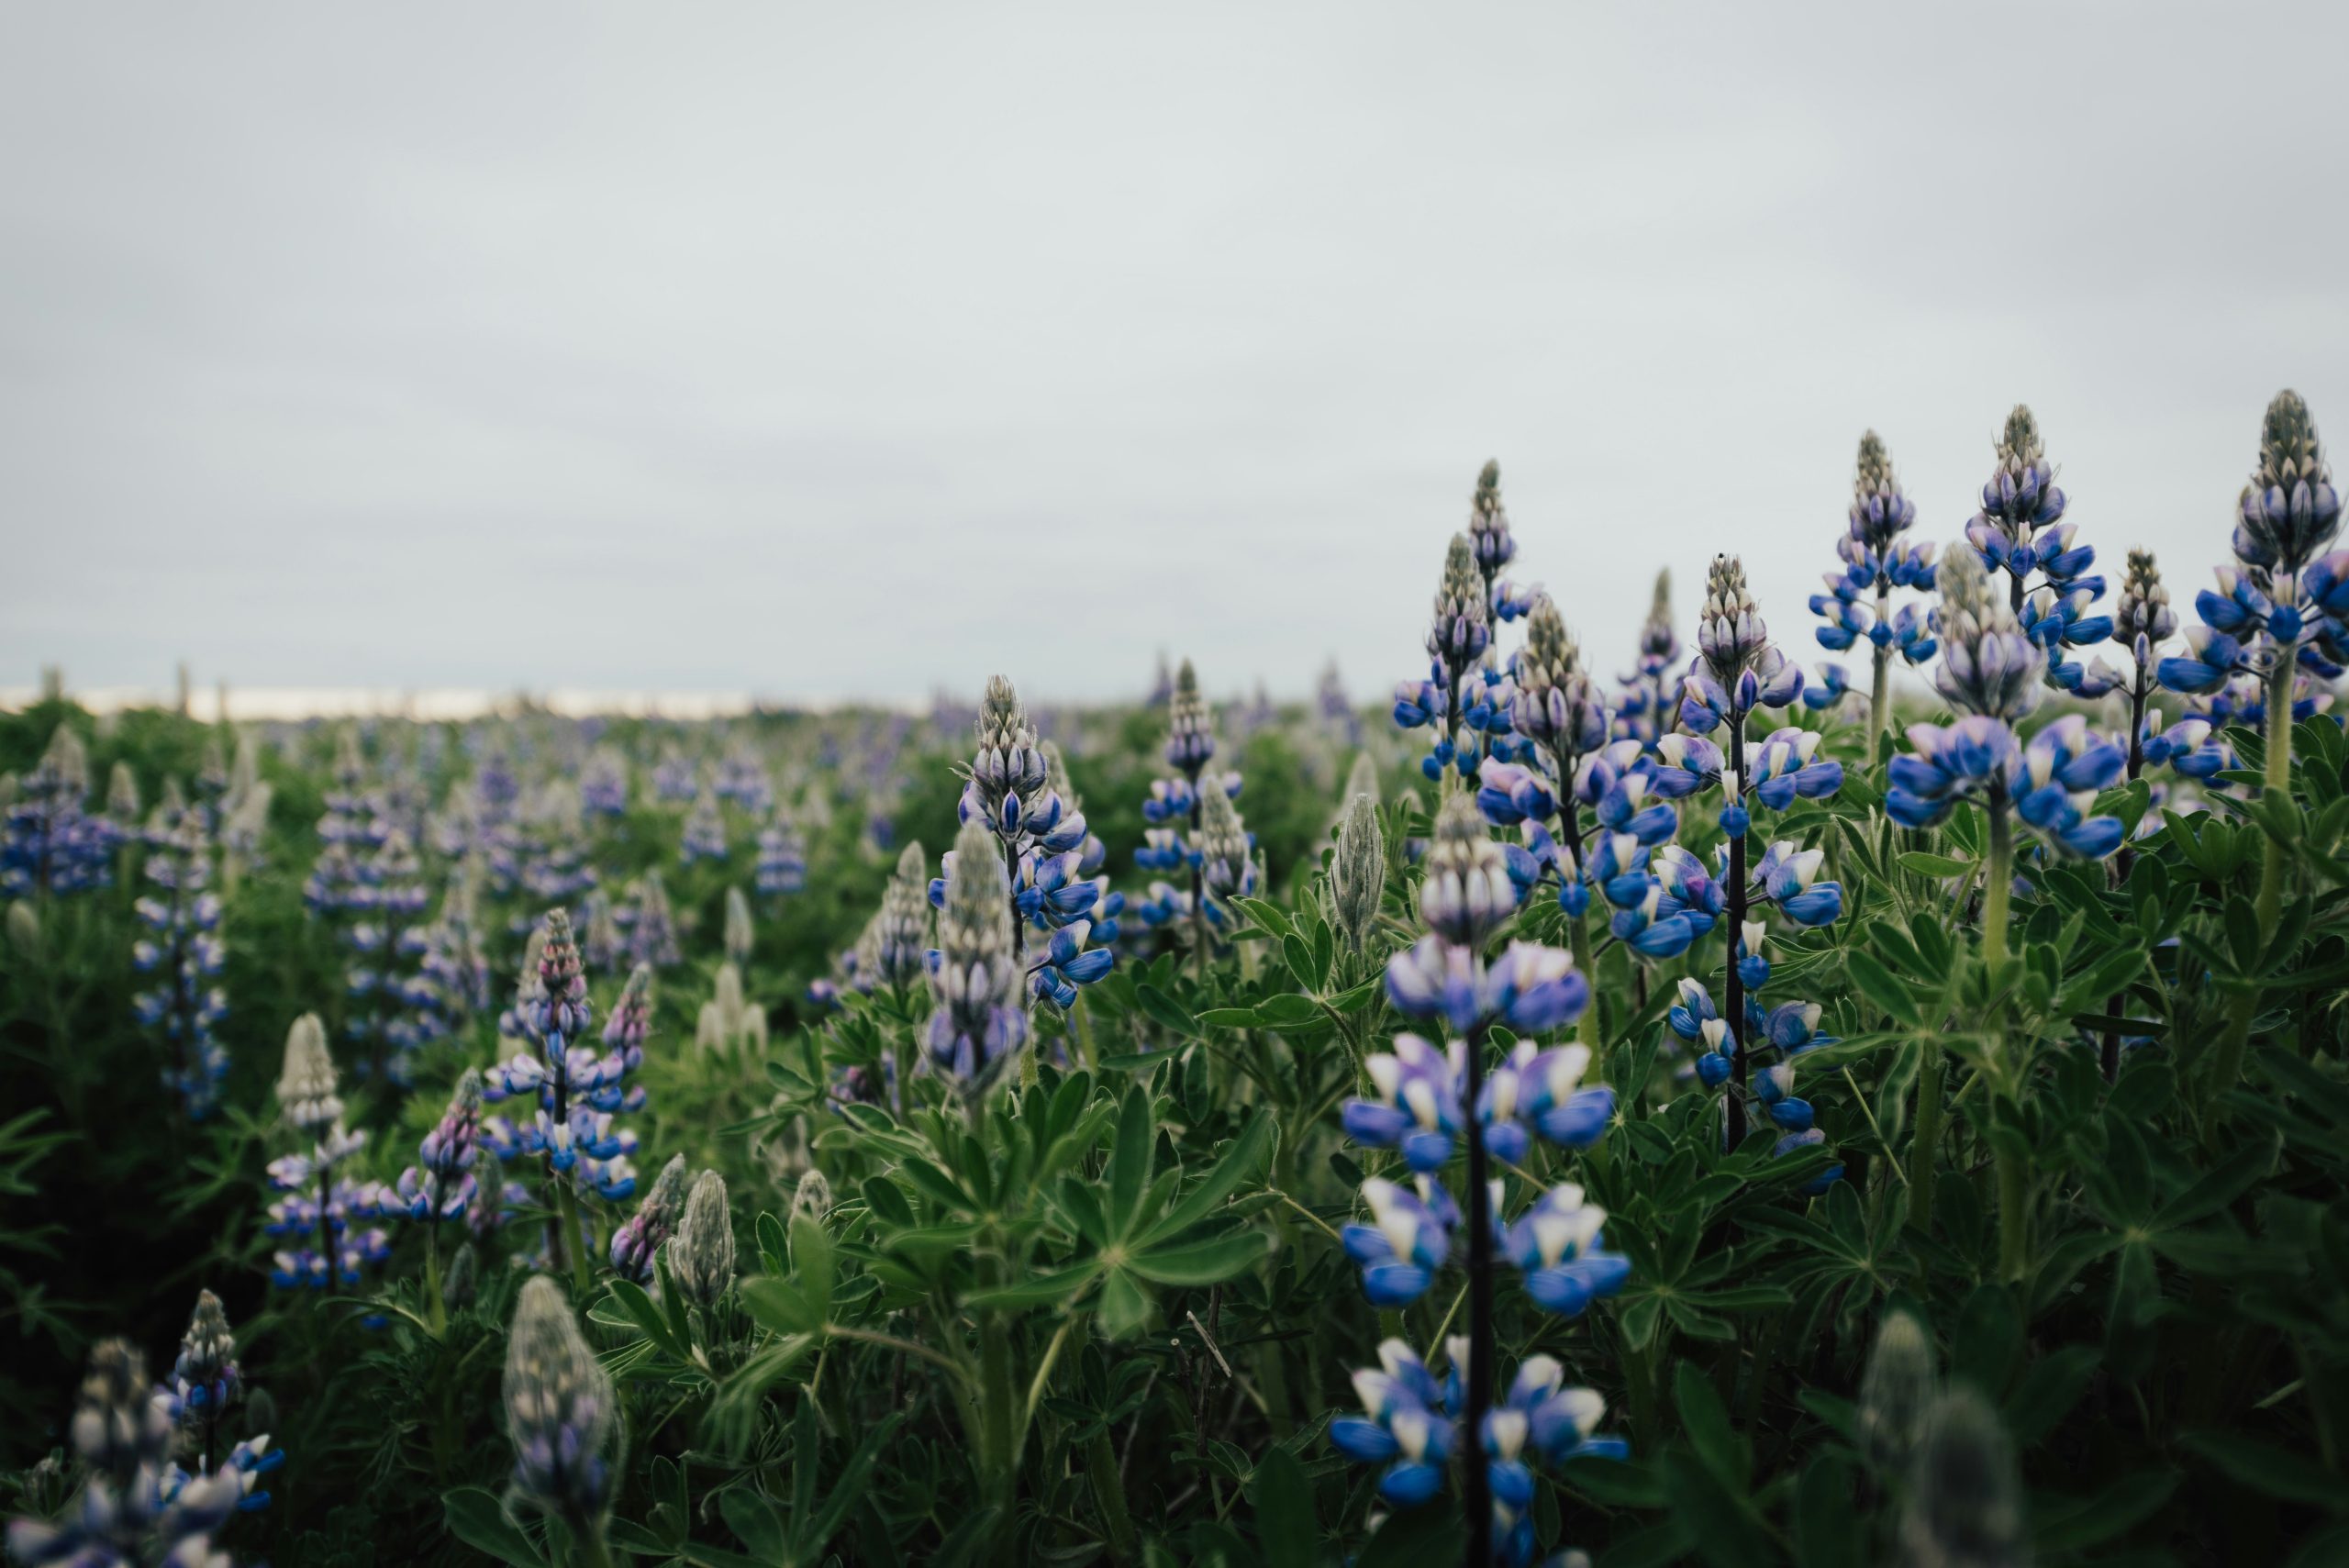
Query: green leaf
[[1707, 1424], [1935, 866], [477, 1518], [812, 1264], [1236, 1165], [755, 1523], [2076, 1524], [1040, 1290], [1200, 1263], [1130, 1158], [779, 1305], [886, 1202], [2048, 1391], [641, 1311], [1829, 1532], [1125, 1306], [1987, 1344], [1288, 1011], [2268, 1469], [1162, 1008], [1880, 985], [1287, 1531]]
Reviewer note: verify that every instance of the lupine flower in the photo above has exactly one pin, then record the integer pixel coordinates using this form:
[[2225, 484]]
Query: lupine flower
[[1358, 869], [385, 903], [1458, 634], [782, 864], [1874, 562], [674, 778], [901, 933], [1988, 667], [1418, 1109], [705, 834], [559, 1410], [600, 942], [1896, 1393], [1532, 989], [652, 930], [1645, 710], [182, 953], [1488, 533], [50, 844], [1964, 1505], [603, 783], [2019, 530], [1223, 845], [738, 936], [2192, 746], [1406, 1241], [2050, 781], [1556, 703], [636, 1243], [1007, 779], [204, 1380], [451, 983], [1406, 1427], [2282, 604], [578, 1091], [306, 1086], [1738, 668], [701, 1256], [730, 1020], [1557, 1244], [348, 833], [2289, 510], [122, 793], [1466, 893], [440, 1185], [1411, 1426], [134, 1507], [1190, 730], [974, 979], [1828, 686]]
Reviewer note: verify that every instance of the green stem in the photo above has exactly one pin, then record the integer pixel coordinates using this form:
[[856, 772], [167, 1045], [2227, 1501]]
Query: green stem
[[2276, 785], [1997, 893], [2014, 1211], [1880, 688], [1926, 1144], [1999, 887], [997, 1413], [436, 1305], [1110, 1494], [567, 1209], [593, 1552], [1579, 945]]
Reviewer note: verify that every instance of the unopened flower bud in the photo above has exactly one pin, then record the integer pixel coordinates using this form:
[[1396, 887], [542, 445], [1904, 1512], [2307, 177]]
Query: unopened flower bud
[[1894, 1393], [1965, 1500], [306, 1086], [559, 1408], [1358, 871], [701, 1258]]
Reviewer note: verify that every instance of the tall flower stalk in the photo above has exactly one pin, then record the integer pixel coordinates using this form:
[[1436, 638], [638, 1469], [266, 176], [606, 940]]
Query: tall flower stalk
[[2278, 609], [1874, 562], [1428, 1101], [1992, 672], [1738, 670]]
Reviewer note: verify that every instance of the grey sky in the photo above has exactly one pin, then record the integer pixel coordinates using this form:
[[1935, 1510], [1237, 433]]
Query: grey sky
[[830, 352]]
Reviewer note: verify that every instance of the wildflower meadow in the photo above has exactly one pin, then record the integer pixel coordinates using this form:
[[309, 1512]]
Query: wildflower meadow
[[1838, 1084]]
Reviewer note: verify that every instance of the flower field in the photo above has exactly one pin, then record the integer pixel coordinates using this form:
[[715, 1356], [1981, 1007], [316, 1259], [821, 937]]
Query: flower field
[[1690, 1102]]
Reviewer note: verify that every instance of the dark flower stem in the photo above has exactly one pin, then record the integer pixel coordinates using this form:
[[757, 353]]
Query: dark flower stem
[[1735, 911], [1476, 1497]]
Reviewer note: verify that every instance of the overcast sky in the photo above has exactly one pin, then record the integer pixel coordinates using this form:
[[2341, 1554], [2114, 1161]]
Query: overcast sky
[[838, 351]]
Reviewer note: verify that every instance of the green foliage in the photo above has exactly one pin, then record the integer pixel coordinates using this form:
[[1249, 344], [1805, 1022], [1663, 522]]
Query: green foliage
[[1102, 1314]]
